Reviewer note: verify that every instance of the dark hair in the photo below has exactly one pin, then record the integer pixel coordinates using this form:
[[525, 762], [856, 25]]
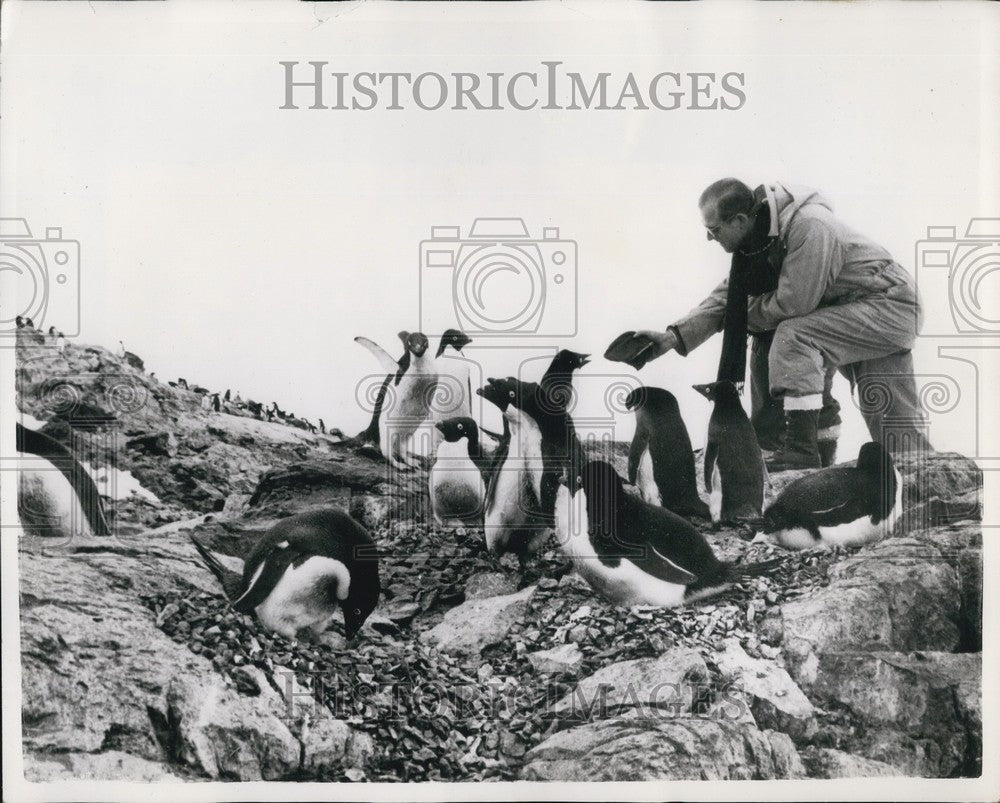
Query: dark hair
[[731, 197]]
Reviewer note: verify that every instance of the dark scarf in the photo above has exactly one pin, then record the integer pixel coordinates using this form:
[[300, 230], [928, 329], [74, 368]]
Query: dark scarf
[[754, 270]]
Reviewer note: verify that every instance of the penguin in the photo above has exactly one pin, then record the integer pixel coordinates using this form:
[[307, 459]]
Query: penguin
[[452, 396], [322, 427], [370, 435], [215, 403], [414, 380], [301, 570], [512, 517], [838, 506], [227, 396], [457, 486], [557, 381], [736, 484], [635, 553], [58, 498], [660, 459]]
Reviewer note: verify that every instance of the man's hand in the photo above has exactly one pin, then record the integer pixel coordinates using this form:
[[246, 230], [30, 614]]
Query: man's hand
[[661, 343]]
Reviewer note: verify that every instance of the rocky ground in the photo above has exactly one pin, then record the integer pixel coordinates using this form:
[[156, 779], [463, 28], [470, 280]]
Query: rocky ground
[[839, 664]]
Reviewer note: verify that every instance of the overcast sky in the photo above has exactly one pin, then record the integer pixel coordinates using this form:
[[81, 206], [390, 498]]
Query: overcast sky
[[244, 246]]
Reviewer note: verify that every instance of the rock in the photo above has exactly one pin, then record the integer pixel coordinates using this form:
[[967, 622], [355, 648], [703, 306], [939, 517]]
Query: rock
[[401, 611], [824, 762], [645, 750], [370, 510], [489, 584], [776, 702], [572, 580], [564, 658], [355, 474], [787, 762], [899, 594], [478, 623], [110, 765], [939, 487], [154, 443], [331, 744], [962, 546], [933, 696], [669, 685]]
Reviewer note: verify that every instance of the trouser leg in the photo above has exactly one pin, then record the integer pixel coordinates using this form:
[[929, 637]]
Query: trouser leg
[[887, 397]]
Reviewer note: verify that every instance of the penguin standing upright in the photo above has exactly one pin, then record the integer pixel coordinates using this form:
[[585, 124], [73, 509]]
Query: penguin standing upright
[[301, 570], [408, 404], [635, 553], [56, 495], [513, 521], [557, 381], [452, 396], [838, 506], [457, 487], [736, 484], [660, 459]]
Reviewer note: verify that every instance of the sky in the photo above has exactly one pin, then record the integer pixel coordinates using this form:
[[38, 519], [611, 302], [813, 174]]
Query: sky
[[244, 246]]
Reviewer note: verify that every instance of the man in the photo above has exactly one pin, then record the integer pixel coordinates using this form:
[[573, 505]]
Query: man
[[819, 297]]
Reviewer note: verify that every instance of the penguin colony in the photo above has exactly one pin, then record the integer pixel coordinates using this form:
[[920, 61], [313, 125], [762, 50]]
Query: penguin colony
[[632, 541]]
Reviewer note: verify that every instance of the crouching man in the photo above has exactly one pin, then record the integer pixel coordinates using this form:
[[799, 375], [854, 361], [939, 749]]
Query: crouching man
[[818, 297]]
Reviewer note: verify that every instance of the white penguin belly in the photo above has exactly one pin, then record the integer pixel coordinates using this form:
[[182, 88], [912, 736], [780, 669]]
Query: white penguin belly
[[646, 482], [457, 487], [863, 531], [48, 505], [715, 496], [625, 584], [301, 597]]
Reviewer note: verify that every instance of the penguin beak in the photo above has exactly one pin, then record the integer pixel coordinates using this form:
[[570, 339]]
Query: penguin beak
[[584, 359], [440, 426], [563, 479], [704, 390]]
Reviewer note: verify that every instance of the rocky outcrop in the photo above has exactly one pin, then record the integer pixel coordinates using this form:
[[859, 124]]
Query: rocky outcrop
[[474, 625]]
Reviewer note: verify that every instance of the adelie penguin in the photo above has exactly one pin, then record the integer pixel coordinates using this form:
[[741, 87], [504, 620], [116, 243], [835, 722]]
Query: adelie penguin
[[660, 459], [635, 553], [56, 495], [839, 506], [557, 381], [301, 571], [734, 467], [452, 396], [513, 520], [457, 486], [405, 398]]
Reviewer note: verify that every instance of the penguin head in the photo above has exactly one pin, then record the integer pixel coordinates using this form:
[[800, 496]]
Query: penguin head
[[365, 589], [566, 360], [649, 398], [718, 391], [454, 429], [509, 392], [416, 343], [875, 459], [455, 338], [495, 393]]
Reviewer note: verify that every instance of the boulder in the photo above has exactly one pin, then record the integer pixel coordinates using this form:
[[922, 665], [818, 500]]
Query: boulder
[[775, 701], [670, 685], [646, 750], [111, 765], [489, 584], [469, 628], [564, 658], [329, 744], [154, 443], [825, 762]]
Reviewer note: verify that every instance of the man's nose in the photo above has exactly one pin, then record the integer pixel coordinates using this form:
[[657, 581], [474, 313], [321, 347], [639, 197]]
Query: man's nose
[[708, 236]]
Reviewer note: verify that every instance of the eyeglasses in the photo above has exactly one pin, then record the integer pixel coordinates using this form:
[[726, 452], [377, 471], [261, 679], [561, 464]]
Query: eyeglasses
[[714, 230]]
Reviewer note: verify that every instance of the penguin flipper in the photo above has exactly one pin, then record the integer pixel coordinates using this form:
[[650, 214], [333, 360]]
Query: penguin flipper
[[230, 581], [661, 567], [269, 571], [711, 454], [385, 359]]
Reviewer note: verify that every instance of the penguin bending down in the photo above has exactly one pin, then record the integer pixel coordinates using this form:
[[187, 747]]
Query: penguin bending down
[[635, 553], [838, 506], [301, 570], [56, 495], [406, 406], [737, 487], [660, 460], [456, 478], [513, 520]]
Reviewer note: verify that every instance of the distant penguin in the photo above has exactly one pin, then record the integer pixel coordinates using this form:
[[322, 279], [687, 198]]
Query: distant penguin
[[301, 570], [215, 402], [457, 488], [634, 553], [660, 460], [60, 343], [411, 398], [19, 321], [227, 396], [56, 495], [838, 506], [513, 520], [322, 427], [734, 466]]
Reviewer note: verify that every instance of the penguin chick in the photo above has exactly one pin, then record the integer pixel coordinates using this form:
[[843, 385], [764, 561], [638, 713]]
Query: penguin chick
[[635, 553], [300, 571], [838, 506]]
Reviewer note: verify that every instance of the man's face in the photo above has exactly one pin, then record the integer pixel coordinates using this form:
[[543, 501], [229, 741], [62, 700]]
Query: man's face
[[727, 233]]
